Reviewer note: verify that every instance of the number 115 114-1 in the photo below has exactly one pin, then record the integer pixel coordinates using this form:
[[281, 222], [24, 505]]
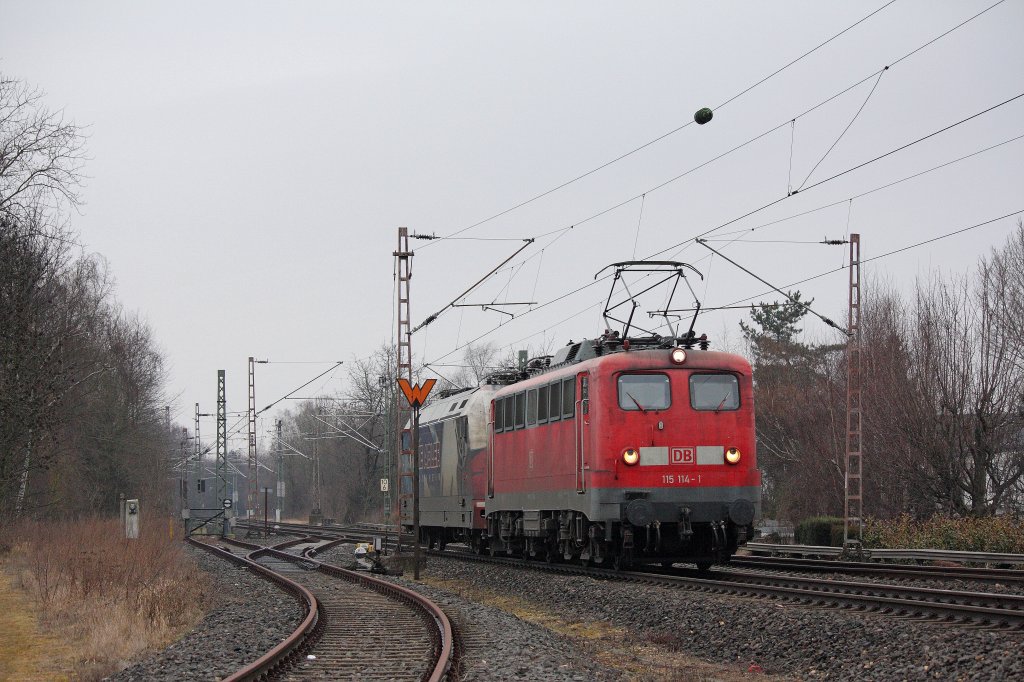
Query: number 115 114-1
[[680, 479]]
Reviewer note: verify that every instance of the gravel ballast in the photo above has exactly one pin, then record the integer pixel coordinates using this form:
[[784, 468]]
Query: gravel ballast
[[786, 639], [496, 645], [249, 616]]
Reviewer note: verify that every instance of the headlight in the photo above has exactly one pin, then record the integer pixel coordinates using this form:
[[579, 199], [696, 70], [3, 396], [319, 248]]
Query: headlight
[[732, 456], [678, 356], [630, 456]]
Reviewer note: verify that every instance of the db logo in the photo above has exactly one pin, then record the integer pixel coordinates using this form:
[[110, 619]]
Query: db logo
[[682, 456]]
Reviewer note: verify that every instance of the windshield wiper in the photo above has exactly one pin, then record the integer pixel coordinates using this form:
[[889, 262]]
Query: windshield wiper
[[636, 402], [718, 409]]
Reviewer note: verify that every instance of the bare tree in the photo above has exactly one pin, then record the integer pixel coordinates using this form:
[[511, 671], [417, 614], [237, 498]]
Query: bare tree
[[477, 362], [80, 380], [41, 154]]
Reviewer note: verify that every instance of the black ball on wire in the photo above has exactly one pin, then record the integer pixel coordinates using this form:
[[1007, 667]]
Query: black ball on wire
[[703, 116]]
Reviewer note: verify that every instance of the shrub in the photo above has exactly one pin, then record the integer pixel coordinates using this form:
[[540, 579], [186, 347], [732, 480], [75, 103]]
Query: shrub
[[1000, 534], [112, 598], [819, 530]]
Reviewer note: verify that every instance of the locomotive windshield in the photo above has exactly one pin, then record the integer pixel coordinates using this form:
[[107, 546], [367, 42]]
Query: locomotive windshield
[[714, 392], [644, 392]]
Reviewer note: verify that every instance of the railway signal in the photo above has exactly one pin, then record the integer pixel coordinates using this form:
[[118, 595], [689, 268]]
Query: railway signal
[[416, 395]]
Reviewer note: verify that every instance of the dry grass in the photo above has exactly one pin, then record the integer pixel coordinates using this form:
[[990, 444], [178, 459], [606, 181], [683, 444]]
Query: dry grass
[[26, 652], [110, 600], [646, 661]]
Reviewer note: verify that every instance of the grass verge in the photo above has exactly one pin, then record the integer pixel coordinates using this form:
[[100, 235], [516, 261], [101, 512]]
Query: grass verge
[[106, 600]]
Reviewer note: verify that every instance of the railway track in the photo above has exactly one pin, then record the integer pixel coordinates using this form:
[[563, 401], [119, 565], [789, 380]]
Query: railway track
[[947, 606], [928, 603], [356, 626], [360, 532], [882, 570]]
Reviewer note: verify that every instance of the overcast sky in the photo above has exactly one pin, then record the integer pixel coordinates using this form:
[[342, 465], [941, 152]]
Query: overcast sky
[[251, 161]]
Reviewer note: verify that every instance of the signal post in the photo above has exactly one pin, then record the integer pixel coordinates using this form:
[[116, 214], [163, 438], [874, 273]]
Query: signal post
[[415, 395]]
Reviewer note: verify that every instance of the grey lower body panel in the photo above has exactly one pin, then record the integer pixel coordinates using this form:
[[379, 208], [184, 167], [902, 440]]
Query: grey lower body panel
[[446, 511], [607, 504]]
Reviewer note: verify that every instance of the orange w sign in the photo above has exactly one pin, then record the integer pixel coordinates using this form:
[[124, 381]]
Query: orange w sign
[[417, 394]]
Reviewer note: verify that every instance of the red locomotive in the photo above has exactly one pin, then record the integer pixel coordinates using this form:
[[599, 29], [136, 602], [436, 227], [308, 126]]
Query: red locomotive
[[613, 451]]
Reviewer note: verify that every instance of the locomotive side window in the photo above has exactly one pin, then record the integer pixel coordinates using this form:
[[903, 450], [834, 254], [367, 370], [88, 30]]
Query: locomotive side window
[[542, 404], [520, 410], [555, 411], [499, 415], [569, 397], [714, 392], [531, 407], [510, 413], [644, 392]]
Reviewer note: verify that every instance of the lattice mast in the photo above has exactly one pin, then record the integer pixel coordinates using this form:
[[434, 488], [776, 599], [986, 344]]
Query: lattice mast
[[221, 466], [317, 501], [253, 501], [280, 473], [853, 509], [197, 449], [403, 358]]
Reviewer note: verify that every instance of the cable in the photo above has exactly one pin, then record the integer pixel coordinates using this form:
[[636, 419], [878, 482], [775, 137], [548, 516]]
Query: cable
[[291, 393], [563, 230], [762, 241], [876, 189], [920, 139], [667, 134], [691, 240], [792, 140], [806, 305], [639, 220], [841, 173], [688, 241], [868, 260], [775, 73], [848, 125], [876, 73]]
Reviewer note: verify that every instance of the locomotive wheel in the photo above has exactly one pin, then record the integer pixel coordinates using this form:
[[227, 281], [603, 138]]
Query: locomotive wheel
[[703, 566]]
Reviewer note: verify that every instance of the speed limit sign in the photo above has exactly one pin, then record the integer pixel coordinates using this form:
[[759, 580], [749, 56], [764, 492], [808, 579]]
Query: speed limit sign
[[384, 485]]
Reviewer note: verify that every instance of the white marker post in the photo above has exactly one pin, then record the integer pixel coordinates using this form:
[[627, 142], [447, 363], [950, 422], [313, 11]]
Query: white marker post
[[131, 519]]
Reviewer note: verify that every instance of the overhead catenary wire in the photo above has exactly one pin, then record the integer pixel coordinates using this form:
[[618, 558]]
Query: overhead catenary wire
[[875, 189], [665, 135], [855, 196], [844, 172], [845, 130], [908, 247], [793, 300], [712, 230], [639, 221], [562, 231], [455, 300]]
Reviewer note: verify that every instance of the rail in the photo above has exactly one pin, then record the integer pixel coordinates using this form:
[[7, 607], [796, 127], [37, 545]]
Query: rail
[[290, 644], [442, 634], [889, 554]]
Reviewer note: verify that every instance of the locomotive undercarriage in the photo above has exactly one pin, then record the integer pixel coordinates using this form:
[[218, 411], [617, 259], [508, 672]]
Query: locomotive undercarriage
[[570, 536]]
